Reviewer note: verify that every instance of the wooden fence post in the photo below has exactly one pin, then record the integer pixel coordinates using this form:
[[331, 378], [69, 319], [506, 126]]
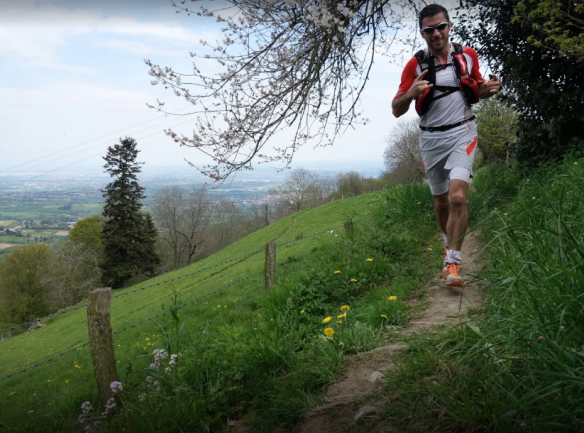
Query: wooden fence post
[[101, 342], [270, 264]]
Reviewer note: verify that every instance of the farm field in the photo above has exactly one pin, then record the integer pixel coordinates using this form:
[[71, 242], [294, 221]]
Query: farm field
[[4, 245]]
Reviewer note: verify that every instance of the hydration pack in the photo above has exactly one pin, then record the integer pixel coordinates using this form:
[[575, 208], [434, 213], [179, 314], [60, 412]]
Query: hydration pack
[[466, 84]]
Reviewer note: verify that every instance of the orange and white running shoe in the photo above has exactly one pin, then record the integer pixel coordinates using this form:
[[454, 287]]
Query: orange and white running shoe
[[452, 274]]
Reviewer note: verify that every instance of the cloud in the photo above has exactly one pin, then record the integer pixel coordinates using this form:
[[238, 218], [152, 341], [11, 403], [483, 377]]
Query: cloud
[[33, 34], [138, 48], [132, 27]]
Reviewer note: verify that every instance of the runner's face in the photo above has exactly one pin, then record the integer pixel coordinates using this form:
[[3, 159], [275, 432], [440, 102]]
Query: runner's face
[[438, 40]]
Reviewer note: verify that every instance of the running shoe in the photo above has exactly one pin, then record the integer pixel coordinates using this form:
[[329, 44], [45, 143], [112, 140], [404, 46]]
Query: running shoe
[[452, 274]]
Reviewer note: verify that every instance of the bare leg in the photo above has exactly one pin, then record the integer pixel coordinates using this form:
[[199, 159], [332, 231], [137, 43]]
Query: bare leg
[[441, 210], [458, 216]]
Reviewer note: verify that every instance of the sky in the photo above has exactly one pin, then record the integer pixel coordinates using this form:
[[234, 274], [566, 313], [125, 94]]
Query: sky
[[73, 75]]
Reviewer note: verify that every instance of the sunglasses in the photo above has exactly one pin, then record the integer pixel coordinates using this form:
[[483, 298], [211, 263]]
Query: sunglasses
[[430, 30]]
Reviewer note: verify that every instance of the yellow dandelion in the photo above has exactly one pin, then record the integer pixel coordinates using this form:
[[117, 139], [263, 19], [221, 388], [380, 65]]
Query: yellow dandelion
[[419, 202], [12, 393], [430, 249], [342, 316], [77, 366], [428, 214], [339, 321], [345, 308], [384, 316], [67, 381], [353, 280], [327, 319], [337, 272], [302, 311], [218, 306], [147, 338], [48, 381], [369, 260], [392, 298], [329, 332], [30, 411]]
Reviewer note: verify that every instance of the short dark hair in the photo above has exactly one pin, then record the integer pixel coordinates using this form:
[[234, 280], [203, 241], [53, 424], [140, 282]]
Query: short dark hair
[[431, 10]]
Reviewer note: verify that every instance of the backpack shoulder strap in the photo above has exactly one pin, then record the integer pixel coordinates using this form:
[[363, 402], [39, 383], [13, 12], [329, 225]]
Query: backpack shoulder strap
[[424, 60], [458, 48], [459, 60]]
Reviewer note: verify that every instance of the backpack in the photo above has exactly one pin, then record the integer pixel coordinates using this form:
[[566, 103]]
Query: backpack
[[466, 84]]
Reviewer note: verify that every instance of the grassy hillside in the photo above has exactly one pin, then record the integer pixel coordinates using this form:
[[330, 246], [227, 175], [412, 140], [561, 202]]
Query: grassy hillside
[[241, 295]]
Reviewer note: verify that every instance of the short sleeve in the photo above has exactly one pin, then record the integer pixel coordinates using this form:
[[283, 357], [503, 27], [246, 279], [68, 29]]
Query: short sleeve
[[475, 71], [408, 76]]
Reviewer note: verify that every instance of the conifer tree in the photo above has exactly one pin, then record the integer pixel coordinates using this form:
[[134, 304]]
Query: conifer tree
[[128, 234]]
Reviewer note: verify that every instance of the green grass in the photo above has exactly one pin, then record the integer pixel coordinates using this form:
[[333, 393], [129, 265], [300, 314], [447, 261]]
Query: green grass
[[246, 353], [519, 367]]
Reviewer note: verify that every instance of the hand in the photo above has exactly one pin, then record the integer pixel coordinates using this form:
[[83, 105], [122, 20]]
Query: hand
[[490, 87], [419, 86]]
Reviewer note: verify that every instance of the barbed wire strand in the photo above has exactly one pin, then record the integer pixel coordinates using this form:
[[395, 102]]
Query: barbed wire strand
[[162, 313], [166, 281], [47, 399], [38, 364], [161, 343], [133, 291]]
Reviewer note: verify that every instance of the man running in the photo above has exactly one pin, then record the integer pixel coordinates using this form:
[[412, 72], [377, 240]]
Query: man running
[[445, 80]]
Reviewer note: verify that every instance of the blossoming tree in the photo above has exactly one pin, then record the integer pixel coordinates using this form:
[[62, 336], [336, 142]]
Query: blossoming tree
[[300, 65]]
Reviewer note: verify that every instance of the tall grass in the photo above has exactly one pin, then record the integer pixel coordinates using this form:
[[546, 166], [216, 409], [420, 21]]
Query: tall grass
[[520, 367]]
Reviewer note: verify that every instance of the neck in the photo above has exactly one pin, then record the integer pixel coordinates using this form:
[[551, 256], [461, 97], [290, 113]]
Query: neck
[[442, 54]]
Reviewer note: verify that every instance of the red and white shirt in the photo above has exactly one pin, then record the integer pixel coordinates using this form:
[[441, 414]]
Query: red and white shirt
[[452, 108]]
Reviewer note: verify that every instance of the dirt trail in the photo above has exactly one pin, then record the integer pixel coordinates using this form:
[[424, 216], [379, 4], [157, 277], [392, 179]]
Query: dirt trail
[[452, 304], [353, 396], [287, 231]]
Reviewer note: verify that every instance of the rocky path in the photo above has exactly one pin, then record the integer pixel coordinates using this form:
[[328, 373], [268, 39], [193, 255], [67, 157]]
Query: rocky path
[[352, 397]]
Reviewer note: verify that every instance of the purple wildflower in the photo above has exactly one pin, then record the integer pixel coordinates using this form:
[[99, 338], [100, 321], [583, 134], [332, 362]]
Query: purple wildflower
[[115, 386]]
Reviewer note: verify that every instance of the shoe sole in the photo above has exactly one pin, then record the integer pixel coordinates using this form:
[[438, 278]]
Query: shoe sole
[[455, 283]]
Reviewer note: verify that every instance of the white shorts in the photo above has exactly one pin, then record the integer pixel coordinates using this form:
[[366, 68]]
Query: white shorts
[[448, 158]]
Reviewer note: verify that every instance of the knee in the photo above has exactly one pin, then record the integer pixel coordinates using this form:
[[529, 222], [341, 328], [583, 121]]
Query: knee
[[457, 199]]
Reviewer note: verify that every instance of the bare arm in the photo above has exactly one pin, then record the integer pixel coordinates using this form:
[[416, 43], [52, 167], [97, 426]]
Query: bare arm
[[401, 105]]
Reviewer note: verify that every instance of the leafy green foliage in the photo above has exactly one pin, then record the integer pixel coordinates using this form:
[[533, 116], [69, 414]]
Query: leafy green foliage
[[88, 232], [497, 129], [546, 89], [22, 293], [128, 234], [557, 26]]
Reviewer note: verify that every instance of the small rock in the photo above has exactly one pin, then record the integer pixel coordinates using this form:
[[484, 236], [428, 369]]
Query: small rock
[[376, 377], [365, 410]]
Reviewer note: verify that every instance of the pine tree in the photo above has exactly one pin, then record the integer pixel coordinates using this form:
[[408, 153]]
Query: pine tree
[[128, 234]]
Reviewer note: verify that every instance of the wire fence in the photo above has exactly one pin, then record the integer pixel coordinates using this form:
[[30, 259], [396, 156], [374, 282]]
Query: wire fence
[[60, 312], [134, 291], [163, 313], [142, 352]]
